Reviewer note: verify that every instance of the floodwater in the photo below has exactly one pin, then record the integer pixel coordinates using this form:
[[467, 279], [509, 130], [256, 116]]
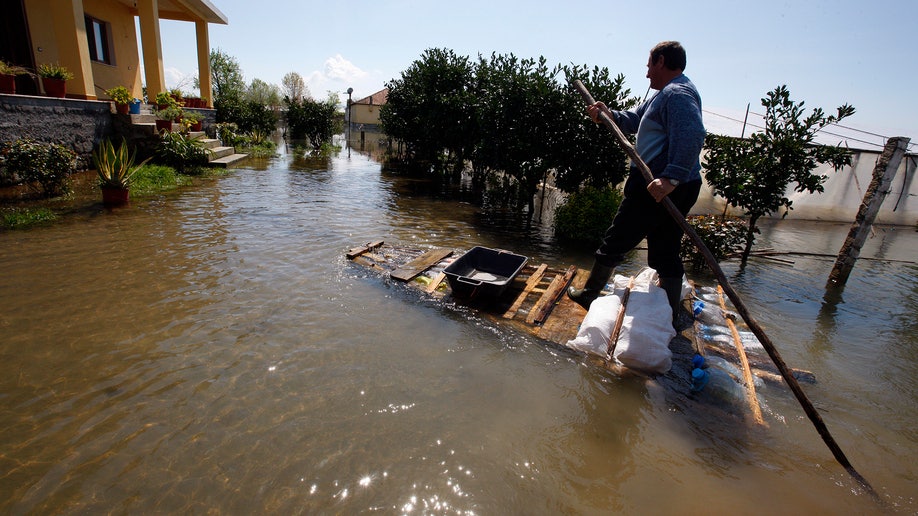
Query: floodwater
[[212, 351]]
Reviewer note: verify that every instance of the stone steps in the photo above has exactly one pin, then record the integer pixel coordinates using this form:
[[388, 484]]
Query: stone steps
[[220, 156]]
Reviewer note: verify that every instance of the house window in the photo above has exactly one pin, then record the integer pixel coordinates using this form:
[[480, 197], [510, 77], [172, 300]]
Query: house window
[[98, 33]]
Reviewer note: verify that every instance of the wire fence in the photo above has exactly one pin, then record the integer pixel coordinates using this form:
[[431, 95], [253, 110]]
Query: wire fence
[[849, 135]]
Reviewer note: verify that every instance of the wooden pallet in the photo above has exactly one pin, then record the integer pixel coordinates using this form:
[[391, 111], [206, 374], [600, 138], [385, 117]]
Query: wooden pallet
[[535, 302]]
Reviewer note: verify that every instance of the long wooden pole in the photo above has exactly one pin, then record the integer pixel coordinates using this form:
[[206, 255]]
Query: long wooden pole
[[751, 396], [606, 118]]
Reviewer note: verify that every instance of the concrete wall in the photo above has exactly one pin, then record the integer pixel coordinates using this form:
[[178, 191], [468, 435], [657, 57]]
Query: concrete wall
[[844, 191]]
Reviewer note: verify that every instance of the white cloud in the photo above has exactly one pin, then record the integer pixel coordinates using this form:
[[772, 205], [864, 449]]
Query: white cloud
[[339, 74], [339, 68]]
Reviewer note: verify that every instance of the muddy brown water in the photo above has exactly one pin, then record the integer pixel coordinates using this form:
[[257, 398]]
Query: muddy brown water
[[211, 350]]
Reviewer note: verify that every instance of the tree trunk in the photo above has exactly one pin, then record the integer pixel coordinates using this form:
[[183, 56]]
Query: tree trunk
[[750, 239], [883, 174]]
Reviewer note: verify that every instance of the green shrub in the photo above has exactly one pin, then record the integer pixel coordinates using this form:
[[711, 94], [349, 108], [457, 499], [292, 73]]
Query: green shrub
[[47, 165], [180, 151], [722, 236], [156, 178], [246, 114], [585, 215]]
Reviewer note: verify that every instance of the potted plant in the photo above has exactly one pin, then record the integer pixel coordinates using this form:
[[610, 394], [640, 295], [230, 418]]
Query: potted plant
[[165, 117], [164, 100], [122, 97], [54, 79], [193, 119], [115, 168], [8, 73], [176, 95]]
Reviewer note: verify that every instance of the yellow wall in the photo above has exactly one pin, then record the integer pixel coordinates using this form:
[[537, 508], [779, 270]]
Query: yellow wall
[[364, 114], [126, 68], [47, 40], [41, 30]]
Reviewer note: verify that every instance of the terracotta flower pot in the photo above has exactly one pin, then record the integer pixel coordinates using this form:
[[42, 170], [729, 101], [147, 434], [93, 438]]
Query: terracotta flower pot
[[7, 83], [122, 109], [163, 125], [54, 87], [113, 197]]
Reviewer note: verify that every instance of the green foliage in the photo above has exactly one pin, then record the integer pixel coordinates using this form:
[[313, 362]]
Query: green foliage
[[248, 115], [263, 94], [11, 69], [431, 109], [585, 215], [54, 71], [755, 173], [312, 120], [519, 105], [228, 133], [589, 152], [226, 76], [120, 95], [115, 166], [170, 113], [47, 165], [723, 236], [180, 151], [504, 116], [150, 179], [22, 218], [164, 98]]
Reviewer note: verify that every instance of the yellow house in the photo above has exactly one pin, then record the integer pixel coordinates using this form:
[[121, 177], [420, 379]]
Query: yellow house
[[97, 41], [364, 113]]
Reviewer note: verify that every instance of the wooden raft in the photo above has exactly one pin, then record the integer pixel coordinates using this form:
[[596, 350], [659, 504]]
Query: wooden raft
[[535, 302]]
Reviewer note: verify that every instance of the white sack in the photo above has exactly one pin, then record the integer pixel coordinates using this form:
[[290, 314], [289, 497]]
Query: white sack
[[647, 328]]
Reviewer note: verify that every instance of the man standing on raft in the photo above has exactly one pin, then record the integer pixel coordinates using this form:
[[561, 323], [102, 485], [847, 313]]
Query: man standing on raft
[[670, 136]]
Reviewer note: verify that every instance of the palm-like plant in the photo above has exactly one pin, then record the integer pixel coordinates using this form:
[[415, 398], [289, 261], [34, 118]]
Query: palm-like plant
[[115, 166]]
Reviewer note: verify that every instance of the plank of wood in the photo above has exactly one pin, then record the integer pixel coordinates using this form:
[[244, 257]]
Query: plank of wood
[[436, 282], [357, 251], [564, 321], [531, 283], [420, 264], [546, 303]]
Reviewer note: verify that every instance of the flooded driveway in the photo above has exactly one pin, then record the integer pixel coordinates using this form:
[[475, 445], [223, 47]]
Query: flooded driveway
[[213, 351]]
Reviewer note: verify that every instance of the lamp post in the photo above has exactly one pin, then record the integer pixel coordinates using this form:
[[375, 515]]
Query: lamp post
[[349, 91]]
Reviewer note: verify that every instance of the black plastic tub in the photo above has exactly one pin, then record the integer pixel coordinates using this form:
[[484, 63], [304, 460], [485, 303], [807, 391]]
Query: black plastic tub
[[483, 272]]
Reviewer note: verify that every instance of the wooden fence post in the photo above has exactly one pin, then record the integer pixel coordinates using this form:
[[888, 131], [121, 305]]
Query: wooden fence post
[[883, 174]]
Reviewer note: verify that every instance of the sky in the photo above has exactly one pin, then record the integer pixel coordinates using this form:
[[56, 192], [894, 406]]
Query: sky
[[828, 53]]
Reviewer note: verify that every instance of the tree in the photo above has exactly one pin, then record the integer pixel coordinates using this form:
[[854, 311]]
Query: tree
[[520, 105], [755, 173], [591, 156], [226, 75], [430, 109], [294, 87], [312, 120], [263, 93]]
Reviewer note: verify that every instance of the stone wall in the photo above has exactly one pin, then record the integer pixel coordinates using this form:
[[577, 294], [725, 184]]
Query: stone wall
[[76, 124]]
